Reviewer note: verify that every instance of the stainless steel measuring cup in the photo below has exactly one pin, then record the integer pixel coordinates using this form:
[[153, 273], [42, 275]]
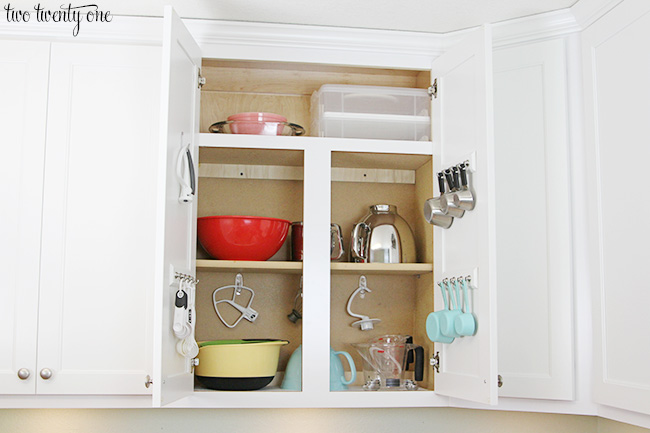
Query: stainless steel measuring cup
[[464, 198], [453, 181], [435, 209]]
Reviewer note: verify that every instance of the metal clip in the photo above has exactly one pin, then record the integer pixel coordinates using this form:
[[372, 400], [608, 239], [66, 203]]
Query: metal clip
[[435, 362], [186, 278]]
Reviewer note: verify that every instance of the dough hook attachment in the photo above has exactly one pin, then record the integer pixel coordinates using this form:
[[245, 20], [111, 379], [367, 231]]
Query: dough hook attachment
[[366, 323], [246, 311]]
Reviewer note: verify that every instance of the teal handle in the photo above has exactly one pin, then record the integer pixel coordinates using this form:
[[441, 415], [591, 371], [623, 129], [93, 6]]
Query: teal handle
[[459, 304], [353, 368], [465, 295]]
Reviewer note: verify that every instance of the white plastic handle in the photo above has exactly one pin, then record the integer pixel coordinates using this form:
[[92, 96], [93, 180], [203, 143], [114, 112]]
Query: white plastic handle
[[187, 193]]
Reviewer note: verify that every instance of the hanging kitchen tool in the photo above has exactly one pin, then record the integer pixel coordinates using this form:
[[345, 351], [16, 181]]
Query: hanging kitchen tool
[[435, 209], [465, 323], [434, 331], [366, 323], [246, 311], [188, 188], [184, 317], [447, 319], [296, 313], [463, 198], [453, 181]]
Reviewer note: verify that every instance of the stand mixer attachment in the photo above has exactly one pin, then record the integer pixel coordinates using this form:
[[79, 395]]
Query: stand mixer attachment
[[246, 312]]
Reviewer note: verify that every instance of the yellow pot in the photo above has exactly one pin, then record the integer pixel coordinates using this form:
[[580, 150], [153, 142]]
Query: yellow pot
[[238, 364]]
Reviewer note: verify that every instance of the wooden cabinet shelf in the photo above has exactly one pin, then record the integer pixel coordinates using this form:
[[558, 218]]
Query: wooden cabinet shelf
[[279, 267], [284, 267], [382, 268]]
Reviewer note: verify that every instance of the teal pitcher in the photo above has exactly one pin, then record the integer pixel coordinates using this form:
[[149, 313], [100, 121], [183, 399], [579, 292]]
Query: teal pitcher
[[337, 374]]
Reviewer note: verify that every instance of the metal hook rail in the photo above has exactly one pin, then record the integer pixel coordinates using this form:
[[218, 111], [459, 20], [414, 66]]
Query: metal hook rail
[[186, 278]]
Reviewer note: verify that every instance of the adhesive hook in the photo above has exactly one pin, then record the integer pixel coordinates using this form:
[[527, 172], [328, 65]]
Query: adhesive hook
[[239, 284], [366, 323]]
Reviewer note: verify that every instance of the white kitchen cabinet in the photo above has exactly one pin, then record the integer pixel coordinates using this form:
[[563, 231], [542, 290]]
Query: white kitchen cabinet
[[84, 188], [23, 84], [617, 108], [462, 122], [533, 218]]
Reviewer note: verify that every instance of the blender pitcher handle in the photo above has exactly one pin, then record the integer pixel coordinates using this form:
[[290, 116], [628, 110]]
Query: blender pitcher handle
[[419, 363], [353, 368]]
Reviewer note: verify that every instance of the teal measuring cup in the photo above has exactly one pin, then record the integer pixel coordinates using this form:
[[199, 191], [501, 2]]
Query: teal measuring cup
[[434, 332], [465, 323], [447, 319]]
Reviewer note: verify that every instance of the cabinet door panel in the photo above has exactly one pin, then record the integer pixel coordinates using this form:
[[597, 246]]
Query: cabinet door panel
[[462, 128], [534, 231], [23, 86], [97, 274], [180, 102], [617, 103]]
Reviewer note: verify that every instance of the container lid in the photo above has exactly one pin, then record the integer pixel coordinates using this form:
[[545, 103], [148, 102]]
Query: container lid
[[350, 88]]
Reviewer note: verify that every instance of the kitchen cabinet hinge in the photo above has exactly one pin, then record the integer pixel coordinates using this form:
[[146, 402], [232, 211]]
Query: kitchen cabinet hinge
[[201, 80], [435, 362], [499, 381], [433, 89]]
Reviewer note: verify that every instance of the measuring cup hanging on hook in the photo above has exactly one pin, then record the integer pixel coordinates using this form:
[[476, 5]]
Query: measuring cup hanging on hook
[[246, 311], [465, 323], [435, 209], [447, 319], [366, 323], [452, 175], [464, 198], [434, 331]]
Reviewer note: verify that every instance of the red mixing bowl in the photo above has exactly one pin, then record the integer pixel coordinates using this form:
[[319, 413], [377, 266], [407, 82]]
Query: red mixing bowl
[[231, 237]]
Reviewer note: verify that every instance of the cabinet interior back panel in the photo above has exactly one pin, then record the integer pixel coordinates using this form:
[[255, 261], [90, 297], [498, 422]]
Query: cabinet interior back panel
[[273, 300], [351, 201], [284, 88], [267, 198]]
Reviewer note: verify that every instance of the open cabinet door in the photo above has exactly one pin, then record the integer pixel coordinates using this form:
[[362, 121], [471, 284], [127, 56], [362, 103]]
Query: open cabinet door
[[462, 125], [180, 99]]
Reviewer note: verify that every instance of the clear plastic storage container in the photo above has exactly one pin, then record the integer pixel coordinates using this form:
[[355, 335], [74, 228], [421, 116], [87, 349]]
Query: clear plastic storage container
[[391, 113]]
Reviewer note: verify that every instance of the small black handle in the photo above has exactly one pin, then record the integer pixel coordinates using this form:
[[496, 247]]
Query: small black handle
[[409, 355], [450, 180], [441, 182], [419, 363], [462, 168], [456, 175], [181, 299]]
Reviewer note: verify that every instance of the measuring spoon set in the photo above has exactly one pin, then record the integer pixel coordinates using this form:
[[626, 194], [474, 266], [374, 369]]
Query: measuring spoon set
[[455, 320]]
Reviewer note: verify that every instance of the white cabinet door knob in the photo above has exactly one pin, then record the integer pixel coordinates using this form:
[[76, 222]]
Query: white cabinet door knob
[[46, 373], [23, 374]]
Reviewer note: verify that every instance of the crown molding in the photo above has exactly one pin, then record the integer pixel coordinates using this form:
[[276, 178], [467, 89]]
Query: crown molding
[[588, 12], [534, 28], [122, 29], [317, 44]]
